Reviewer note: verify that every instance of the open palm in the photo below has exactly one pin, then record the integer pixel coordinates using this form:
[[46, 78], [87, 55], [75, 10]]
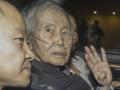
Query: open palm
[[98, 65]]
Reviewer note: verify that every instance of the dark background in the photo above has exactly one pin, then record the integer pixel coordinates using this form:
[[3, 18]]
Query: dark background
[[83, 9]]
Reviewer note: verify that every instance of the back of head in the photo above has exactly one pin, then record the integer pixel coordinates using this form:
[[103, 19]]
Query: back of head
[[10, 12], [12, 28]]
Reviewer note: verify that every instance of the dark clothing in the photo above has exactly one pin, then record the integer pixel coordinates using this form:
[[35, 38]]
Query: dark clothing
[[90, 35], [98, 34], [48, 77]]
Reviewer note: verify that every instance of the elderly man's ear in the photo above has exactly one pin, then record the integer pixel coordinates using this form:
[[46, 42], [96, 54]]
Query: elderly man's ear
[[74, 28], [75, 37]]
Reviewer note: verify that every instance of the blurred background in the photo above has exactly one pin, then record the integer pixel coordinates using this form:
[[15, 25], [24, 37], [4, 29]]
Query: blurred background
[[107, 12]]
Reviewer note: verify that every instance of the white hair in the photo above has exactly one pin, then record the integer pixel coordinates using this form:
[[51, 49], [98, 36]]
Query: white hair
[[31, 10]]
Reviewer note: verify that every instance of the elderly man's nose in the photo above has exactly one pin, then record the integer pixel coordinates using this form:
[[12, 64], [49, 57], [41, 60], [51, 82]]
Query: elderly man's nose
[[59, 40]]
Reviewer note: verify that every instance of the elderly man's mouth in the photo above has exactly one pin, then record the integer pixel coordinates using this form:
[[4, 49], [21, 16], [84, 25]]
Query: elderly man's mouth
[[59, 54]]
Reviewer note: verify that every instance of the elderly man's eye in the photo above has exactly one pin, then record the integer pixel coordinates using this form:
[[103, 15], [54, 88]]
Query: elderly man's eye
[[50, 30], [64, 32]]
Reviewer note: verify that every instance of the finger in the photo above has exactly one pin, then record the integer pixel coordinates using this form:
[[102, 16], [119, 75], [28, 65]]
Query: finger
[[90, 54], [95, 53], [104, 58], [89, 62], [91, 57]]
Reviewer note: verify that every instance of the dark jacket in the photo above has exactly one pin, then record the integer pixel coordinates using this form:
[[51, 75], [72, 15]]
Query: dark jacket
[[48, 77]]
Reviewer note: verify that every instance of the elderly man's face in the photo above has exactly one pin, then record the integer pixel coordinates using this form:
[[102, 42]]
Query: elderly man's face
[[53, 39], [14, 53]]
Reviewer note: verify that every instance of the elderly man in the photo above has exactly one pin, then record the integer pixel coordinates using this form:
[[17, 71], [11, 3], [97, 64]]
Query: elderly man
[[15, 56], [49, 31], [51, 36]]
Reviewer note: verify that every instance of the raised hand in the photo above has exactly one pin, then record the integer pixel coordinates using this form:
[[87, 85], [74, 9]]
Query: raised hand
[[98, 65]]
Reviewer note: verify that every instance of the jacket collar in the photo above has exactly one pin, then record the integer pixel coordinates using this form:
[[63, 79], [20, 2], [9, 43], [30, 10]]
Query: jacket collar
[[48, 68]]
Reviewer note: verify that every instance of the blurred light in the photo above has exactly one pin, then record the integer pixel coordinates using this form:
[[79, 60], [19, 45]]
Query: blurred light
[[113, 13], [95, 12]]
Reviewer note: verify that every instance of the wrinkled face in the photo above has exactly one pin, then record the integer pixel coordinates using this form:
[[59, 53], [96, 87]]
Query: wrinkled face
[[14, 54], [53, 39]]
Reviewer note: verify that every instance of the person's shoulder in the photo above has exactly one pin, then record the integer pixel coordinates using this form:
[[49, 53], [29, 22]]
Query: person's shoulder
[[78, 61]]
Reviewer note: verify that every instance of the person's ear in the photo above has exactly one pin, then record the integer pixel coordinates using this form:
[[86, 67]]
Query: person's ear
[[75, 37]]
